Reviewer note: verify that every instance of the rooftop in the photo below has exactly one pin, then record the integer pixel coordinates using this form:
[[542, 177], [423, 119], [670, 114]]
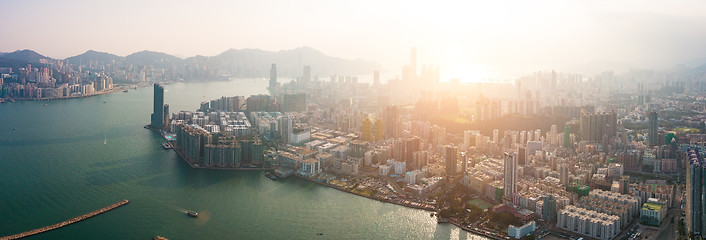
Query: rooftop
[[652, 206]]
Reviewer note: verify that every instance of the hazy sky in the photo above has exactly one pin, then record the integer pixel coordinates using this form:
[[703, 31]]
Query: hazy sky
[[473, 39]]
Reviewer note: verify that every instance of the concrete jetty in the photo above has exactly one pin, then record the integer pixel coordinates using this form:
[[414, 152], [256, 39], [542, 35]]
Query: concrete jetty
[[67, 222]]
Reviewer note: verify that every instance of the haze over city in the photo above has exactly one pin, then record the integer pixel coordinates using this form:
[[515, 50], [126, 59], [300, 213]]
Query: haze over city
[[313, 120], [470, 40]]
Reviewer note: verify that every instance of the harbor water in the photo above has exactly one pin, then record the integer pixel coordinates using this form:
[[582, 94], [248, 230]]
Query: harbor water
[[74, 156]]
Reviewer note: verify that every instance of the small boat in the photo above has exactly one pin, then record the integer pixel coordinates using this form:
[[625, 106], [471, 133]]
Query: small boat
[[125, 90], [271, 176], [45, 104], [104, 102], [192, 213], [14, 129], [166, 146], [319, 234]]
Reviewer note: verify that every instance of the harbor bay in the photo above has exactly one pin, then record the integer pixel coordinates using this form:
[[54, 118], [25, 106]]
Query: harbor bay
[[76, 154]]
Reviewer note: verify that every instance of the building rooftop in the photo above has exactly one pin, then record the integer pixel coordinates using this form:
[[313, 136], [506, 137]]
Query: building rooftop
[[652, 206]]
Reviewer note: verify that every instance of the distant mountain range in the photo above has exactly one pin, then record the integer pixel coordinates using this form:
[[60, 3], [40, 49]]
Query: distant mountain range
[[236, 62]]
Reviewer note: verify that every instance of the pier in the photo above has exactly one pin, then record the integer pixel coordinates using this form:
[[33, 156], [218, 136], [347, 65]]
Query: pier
[[67, 222]]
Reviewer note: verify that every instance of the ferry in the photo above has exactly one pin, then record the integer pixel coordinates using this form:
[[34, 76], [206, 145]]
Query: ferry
[[192, 213]]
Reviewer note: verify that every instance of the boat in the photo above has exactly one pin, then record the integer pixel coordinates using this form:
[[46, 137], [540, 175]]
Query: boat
[[166, 146], [14, 129], [125, 90], [45, 104], [192, 213], [271, 176], [104, 102]]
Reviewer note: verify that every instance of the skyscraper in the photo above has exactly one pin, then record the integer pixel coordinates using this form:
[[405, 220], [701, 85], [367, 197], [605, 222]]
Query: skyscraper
[[273, 78], [391, 118], [367, 130], [652, 137], [510, 174], [157, 118], [549, 209], [695, 193], [451, 162], [306, 75], [413, 62], [593, 126], [567, 136]]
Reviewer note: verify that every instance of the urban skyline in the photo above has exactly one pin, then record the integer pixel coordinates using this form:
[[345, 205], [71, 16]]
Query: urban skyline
[[402, 120]]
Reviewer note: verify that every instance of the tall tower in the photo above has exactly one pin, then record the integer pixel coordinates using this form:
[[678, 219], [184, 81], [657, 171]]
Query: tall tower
[[652, 129], [157, 118], [306, 76], [549, 209], [273, 78], [510, 174], [695, 193], [377, 130], [413, 62], [367, 130], [567, 136], [451, 162], [391, 118]]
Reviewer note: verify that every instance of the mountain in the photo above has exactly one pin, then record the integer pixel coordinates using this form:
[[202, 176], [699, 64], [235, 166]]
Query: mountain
[[96, 57], [21, 58], [233, 62], [26, 56], [157, 59], [256, 63]]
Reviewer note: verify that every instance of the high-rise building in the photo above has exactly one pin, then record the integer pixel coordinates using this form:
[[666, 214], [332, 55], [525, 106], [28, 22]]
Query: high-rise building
[[376, 78], [377, 130], [564, 175], [273, 78], [413, 63], [567, 136], [510, 174], [306, 75], [593, 126], [695, 203], [411, 146], [391, 119], [451, 162], [652, 138], [549, 209], [157, 118], [367, 130]]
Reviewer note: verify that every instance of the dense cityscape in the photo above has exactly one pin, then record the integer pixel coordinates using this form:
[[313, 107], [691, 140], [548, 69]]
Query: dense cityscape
[[403, 120], [550, 159]]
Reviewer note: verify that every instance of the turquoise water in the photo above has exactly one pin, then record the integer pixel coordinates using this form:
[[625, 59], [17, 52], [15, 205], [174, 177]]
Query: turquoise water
[[78, 155]]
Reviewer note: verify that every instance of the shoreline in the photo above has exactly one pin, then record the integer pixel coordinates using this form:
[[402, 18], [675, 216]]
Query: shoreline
[[383, 200], [113, 90], [451, 221]]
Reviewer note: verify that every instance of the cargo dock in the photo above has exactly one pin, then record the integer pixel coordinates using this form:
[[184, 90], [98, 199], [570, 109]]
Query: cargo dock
[[67, 222]]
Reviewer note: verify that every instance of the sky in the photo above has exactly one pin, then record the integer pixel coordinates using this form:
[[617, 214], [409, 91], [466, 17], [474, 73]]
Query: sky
[[469, 39]]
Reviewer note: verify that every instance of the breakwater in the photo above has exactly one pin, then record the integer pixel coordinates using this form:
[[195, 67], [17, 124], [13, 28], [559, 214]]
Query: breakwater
[[67, 222]]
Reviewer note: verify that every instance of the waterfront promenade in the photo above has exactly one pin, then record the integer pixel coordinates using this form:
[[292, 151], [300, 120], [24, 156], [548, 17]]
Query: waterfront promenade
[[67, 222], [115, 89]]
